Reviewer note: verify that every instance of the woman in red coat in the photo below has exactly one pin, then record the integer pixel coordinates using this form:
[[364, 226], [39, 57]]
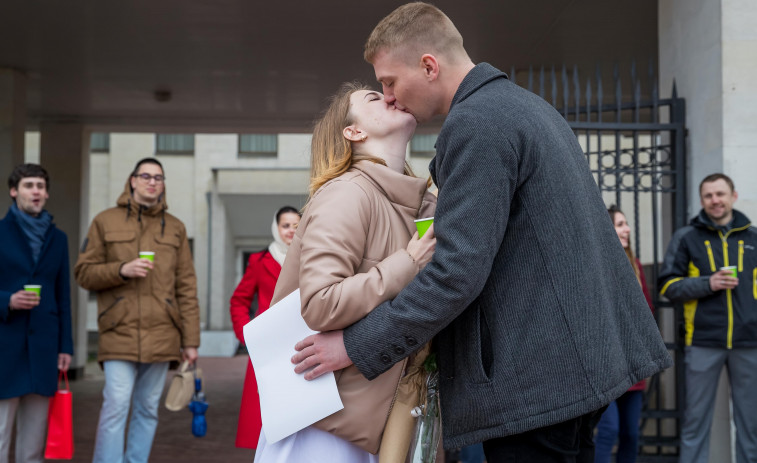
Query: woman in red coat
[[620, 421], [260, 277]]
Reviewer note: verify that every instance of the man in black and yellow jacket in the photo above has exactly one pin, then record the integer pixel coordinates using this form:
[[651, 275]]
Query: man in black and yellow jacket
[[711, 267]]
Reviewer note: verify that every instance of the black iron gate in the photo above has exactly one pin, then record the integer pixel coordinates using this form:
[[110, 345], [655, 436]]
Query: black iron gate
[[636, 151]]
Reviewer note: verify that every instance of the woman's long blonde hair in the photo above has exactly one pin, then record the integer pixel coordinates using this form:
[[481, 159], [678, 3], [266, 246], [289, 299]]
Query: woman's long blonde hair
[[331, 154], [613, 210]]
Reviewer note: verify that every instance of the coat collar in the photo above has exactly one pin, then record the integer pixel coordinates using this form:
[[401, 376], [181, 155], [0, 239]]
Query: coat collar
[[21, 238], [270, 264], [702, 220], [400, 189], [475, 79], [126, 200]]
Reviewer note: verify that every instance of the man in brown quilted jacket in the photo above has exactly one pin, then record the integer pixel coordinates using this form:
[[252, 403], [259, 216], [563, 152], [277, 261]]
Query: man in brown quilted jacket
[[148, 316]]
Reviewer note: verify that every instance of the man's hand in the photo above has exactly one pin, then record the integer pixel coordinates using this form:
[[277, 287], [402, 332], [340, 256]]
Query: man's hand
[[723, 279], [189, 354], [323, 352], [138, 268], [64, 361], [24, 300]]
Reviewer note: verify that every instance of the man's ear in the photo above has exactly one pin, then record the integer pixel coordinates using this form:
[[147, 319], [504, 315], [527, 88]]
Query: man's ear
[[352, 133], [133, 183], [14, 192], [735, 195], [430, 66]]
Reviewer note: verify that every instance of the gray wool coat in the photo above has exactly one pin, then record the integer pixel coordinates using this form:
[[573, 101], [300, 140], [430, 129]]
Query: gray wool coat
[[537, 314]]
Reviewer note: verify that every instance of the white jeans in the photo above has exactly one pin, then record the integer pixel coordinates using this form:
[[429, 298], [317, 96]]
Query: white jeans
[[30, 414], [139, 385]]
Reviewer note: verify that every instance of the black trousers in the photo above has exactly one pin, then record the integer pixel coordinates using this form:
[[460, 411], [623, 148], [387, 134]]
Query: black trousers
[[571, 441]]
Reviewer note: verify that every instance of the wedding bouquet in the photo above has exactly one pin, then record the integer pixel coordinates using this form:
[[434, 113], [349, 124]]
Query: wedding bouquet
[[428, 428]]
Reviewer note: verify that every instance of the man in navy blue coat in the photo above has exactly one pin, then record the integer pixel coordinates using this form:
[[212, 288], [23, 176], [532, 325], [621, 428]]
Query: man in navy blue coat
[[35, 331]]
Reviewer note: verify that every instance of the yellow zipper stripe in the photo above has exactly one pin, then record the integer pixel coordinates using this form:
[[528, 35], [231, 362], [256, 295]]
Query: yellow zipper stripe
[[737, 229], [754, 283], [728, 293], [741, 255], [712, 258], [690, 308], [670, 282], [729, 298]]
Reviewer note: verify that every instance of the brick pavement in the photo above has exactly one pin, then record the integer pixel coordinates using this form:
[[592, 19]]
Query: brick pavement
[[222, 383], [223, 379]]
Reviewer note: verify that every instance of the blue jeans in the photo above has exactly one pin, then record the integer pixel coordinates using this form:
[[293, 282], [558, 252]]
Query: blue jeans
[[129, 383], [472, 454], [620, 422]]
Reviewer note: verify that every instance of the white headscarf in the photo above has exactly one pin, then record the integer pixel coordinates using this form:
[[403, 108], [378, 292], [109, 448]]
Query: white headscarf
[[277, 248]]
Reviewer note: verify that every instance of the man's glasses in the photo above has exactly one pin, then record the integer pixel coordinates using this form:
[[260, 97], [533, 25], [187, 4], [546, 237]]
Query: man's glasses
[[147, 177]]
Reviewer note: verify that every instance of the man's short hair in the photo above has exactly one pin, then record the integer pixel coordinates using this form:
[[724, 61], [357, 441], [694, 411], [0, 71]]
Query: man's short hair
[[27, 170], [417, 27], [714, 178], [146, 161]]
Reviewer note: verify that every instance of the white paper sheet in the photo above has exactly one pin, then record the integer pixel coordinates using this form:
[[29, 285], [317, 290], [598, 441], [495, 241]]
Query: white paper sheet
[[288, 402]]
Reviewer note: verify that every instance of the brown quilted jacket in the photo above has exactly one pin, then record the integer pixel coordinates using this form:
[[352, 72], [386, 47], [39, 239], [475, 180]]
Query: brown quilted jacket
[[148, 319]]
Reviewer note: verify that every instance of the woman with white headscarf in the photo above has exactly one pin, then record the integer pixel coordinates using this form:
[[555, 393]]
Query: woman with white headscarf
[[260, 277]]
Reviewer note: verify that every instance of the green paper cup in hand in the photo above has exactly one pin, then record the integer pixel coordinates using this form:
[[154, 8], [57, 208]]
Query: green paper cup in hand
[[37, 289], [422, 225], [732, 269], [149, 255]]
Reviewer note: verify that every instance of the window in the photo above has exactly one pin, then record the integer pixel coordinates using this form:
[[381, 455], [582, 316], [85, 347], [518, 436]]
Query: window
[[254, 144], [174, 143], [99, 142], [423, 145]]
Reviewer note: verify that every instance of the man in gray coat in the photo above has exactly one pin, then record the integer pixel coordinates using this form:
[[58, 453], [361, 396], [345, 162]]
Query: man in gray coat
[[539, 319]]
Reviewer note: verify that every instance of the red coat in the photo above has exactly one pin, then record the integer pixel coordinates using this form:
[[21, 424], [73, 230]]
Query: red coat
[[260, 276], [641, 385]]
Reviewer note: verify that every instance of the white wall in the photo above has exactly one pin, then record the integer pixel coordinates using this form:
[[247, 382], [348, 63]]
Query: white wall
[[739, 94], [708, 48]]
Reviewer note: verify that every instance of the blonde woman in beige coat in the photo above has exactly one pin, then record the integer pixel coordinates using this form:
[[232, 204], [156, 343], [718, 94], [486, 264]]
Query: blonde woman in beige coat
[[355, 247]]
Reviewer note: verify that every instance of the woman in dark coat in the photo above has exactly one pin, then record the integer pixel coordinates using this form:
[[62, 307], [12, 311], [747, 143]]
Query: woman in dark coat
[[260, 277]]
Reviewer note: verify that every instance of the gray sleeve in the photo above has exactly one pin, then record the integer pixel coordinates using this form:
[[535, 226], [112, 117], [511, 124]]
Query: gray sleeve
[[464, 253]]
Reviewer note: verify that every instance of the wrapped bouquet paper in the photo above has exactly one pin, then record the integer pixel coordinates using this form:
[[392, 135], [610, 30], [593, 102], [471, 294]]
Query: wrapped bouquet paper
[[424, 447], [407, 414]]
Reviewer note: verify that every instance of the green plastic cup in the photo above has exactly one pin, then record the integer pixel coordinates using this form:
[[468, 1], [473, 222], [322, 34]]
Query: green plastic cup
[[149, 255], [732, 269], [34, 289], [422, 225]]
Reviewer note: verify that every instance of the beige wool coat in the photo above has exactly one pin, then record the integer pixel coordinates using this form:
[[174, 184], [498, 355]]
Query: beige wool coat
[[347, 257]]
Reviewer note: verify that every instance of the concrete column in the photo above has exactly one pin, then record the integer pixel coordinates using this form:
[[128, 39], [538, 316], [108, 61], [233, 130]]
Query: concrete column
[[12, 125], [708, 48], [64, 152], [221, 263]]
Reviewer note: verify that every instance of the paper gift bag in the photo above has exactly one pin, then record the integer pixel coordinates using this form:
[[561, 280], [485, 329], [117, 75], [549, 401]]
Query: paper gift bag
[[60, 424]]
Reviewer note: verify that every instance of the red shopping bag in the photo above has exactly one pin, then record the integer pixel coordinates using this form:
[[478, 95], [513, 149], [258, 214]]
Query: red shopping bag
[[60, 424]]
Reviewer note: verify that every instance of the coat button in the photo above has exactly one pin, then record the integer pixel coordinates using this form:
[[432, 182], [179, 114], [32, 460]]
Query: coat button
[[385, 358], [410, 341], [398, 350]]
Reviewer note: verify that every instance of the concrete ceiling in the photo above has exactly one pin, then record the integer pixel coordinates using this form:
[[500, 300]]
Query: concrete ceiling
[[249, 65]]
